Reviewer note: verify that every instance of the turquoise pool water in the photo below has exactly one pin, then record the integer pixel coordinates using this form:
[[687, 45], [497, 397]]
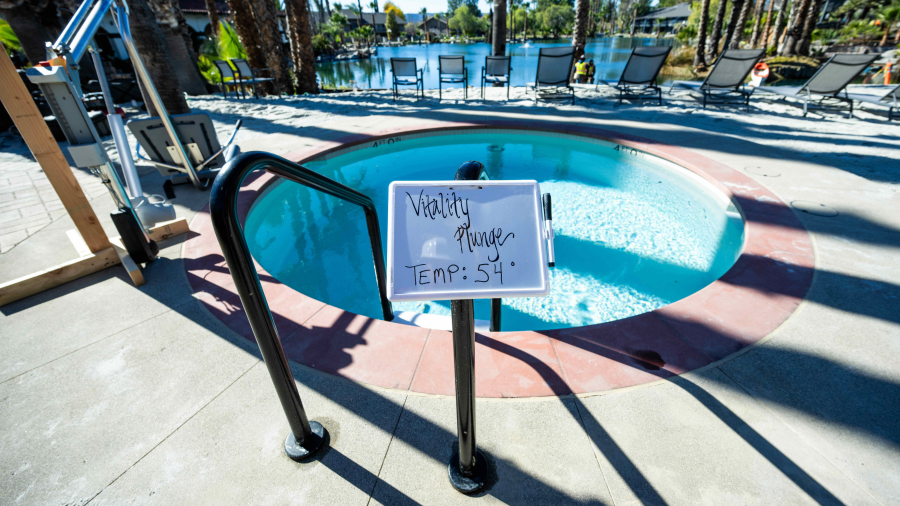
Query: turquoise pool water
[[633, 232]]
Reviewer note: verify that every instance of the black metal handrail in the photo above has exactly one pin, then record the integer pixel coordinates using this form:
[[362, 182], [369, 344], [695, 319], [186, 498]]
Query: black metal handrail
[[223, 212]]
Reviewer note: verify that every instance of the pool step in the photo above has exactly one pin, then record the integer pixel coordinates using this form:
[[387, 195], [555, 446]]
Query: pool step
[[433, 321]]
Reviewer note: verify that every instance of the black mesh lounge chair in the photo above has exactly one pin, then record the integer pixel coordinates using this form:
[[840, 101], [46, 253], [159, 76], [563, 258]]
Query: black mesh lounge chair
[[497, 69], [198, 137], [553, 71], [725, 84], [227, 77], [827, 84], [891, 100], [248, 75], [452, 69], [405, 73], [638, 81]]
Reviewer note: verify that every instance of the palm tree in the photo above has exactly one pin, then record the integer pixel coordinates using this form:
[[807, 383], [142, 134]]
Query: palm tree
[[498, 29], [247, 30], [356, 12], [757, 18], [213, 14], [700, 55], [713, 49], [579, 35], [889, 16], [151, 45], [780, 21], [793, 35], [266, 15], [737, 7], [424, 13], [738, 34], [300, 38], [764, 36], [28, 22]]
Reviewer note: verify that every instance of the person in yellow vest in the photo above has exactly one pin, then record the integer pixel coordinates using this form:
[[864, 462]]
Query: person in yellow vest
[[580, 70], [591, 70]]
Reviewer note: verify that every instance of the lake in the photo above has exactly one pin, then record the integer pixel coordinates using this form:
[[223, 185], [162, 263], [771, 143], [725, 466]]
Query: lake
[[609, 55]]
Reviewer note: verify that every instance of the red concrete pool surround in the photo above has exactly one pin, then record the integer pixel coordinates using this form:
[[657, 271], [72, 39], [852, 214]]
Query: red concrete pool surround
[[760, 292]]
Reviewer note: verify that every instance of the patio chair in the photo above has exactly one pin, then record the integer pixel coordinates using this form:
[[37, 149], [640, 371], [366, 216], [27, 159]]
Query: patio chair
[[638, 81], [227, 77], [725, 83], [497, 69], [827, 83], [891, 100], [553, 71], [197, 135], [405, 73], [452, 69], [248, 75]]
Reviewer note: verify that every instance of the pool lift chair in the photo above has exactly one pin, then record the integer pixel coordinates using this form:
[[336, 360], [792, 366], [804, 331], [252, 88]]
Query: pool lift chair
[[198, 137], [452, 69], [725, 83], [496, 70], [60, 83], [823, 90], [638, 80], [554, 72], [405, 73]]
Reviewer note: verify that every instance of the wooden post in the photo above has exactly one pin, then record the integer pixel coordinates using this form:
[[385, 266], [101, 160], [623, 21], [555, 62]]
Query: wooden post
[[43, 146]]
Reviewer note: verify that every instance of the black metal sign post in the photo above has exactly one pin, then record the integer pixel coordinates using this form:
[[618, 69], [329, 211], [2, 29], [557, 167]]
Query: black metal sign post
[[468, 466], [306, 436]]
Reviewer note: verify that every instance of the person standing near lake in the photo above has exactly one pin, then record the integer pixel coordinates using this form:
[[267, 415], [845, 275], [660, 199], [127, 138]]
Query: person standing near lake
[[580, 71], [591, 70]]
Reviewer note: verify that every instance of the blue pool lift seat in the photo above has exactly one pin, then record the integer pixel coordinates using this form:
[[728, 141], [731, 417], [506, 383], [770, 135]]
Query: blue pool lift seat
[[452, 69], [497, 69], [405, 73]]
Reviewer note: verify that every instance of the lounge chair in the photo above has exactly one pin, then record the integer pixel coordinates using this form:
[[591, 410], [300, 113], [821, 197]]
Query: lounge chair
[[725, 83], [830, 80], [405, 73], [638, 81], [227, 77], [198, 136], [891, 100], [497, 69], [452, 69], [248, 75], [553, 71]]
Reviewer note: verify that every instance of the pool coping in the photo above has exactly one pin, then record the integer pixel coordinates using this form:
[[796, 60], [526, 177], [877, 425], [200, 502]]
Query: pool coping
[[758, 294]]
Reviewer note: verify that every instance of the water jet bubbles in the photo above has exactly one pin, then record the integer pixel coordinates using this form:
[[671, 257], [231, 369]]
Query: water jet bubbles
[[495, 148]]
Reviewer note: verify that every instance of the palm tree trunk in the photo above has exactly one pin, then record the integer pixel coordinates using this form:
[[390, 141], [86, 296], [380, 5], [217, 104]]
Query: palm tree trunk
[[792, 37], [213, 17], [266, 15], [779, 25], [716, 35], [764, 36], [247, 31], [151, 45], [736, 32], [26, 23], [812, 18], [757, 17], [579, 35], [498, 29], [700, 55], [300, 38], [181, 48]]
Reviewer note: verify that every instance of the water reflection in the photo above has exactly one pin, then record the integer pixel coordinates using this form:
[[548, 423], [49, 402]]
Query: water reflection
[[609, 55]]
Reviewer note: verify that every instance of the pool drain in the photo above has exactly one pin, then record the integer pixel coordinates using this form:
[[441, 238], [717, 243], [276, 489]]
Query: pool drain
[[494, 147], [759, 171], [814, 208]]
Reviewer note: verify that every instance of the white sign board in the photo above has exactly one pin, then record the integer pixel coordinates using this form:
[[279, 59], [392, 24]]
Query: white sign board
[[466, 240]]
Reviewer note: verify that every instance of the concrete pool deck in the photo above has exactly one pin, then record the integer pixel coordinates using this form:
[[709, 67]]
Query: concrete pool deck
[[111, 394]]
